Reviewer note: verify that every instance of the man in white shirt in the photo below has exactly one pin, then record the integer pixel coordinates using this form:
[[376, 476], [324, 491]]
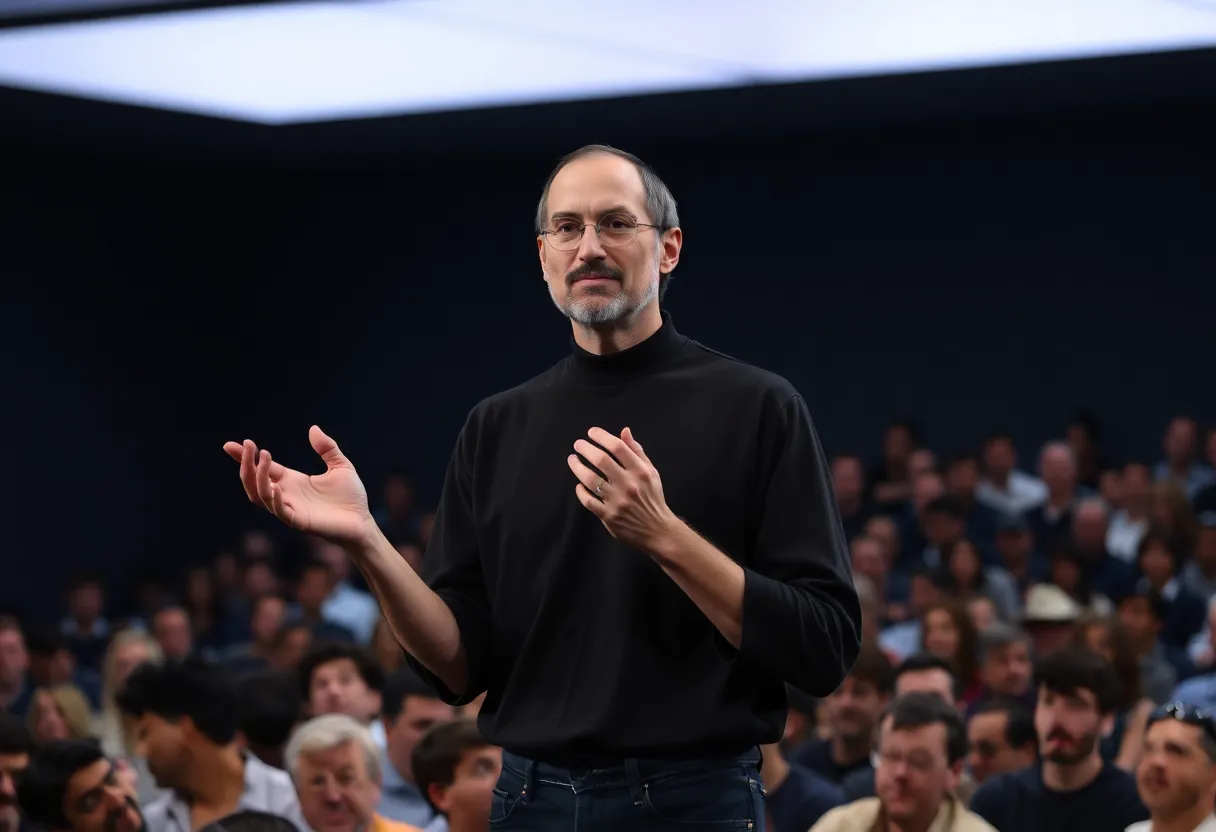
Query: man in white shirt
[[1003, 487], [1176, 777]]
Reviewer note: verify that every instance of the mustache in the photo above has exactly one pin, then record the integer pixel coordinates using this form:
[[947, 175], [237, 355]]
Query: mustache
[[1060, 734], [599, 269]]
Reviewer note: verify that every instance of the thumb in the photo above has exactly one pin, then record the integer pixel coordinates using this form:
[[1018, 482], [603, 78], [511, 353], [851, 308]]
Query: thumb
[[327, 448]]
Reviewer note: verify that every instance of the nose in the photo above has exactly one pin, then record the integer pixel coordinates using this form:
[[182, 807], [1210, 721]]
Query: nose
[[590, 248], [8, 787]]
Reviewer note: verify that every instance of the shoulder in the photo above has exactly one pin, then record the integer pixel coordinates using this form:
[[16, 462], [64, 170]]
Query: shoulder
[[275, 784], [860, 814], [738, 373], [514, 399], [995, 791], [1140, 826]]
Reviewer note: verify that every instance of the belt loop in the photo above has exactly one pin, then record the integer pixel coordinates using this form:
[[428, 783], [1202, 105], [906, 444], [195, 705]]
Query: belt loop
[[529, 781], [636, 786]]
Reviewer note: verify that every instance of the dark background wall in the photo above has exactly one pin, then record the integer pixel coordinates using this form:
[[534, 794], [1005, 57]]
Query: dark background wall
[[970, 272]]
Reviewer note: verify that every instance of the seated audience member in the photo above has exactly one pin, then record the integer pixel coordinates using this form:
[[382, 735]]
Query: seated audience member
[[1108, 638], [16, 744], [1005, 666], [980, 521], [71, 786], [1003, 486], [346, 606], [1050, 618], [291, 645], [189, 716], [270, 710], [903, 639], [16, 686], [849, 485], [852, 710], [1016, 554], [267, 614], [335, 765], [1066, 571], [60, 713], [947, 632], [1131, 521], [1185, 612], [1177, 774], [316, 583], [983, 612], [1199, 573], [921, 746], [1142, 615], [1000, 738], [963, 574], [1072, 788], [337, 678], [919, 673], [52, 664], [799, 717], [1103, 573], [410, 710], [170, 626], [251, 821], [456, 771], [118, 732]]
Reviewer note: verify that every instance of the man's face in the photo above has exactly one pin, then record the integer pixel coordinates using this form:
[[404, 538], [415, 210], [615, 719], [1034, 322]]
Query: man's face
[[1058, 470], [999, 458], [335, 557], [1157, 564], [1089, 528], [260, 579], [466, 801], [417, 716], [847, 479], [1014, 546], [942, 528], [1110, 487], [982, 612], [597, 284], [1175, 772], [14, 660], [925, 489], [315, 586], [1136, 614], [922, 461], [336, 791], [962, 478], [85, 601], [868, 560], [930, 680], [923, 594], [1137, 482], [1007, 670], [914, 774], [171, 629], [337, 688], [989, 752], [11, 767], [1068, 726], [295, 644], [165, 747], [854, 708], [267, 619], [97, 799], [883, 530], [1181, 441]]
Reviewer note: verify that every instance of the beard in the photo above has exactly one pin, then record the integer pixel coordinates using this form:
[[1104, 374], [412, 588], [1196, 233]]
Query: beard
[[601, 306], [1080, 749]]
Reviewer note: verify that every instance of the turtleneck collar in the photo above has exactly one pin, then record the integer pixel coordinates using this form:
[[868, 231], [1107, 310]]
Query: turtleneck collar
[[639, 360]]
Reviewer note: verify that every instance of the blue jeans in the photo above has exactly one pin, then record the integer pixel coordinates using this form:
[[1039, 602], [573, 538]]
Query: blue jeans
[[637, 795]]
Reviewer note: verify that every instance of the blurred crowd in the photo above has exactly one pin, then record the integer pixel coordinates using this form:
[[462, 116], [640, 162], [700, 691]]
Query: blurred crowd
[[1021, 615]]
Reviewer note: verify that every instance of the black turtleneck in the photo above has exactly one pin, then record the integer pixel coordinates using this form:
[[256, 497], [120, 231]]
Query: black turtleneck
[[587, 649]]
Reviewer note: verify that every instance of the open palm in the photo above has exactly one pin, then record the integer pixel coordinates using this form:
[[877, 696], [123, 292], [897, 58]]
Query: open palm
[[332, 505]]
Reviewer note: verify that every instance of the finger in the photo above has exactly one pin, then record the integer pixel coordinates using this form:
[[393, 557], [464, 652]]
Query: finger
[[634, 445], [248, 475], [279, 508], [234, 450], [327, 448], [263, 481], [601, 459], [590, 502], [588, 478], [613, 445]]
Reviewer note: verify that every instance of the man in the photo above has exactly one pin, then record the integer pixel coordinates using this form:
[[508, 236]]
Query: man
[[1143, 616], [344, 679], [849, 486], [919, 673], [270, 710], [1005, 667], [410, 710], [1000, 738], [16, 743], [579, 510], [852, 712], [188, 717], [1104, 572], [1016, 555], [1051, 521], [456, 769], [170, 626], [52, 663], [315, 585], [1181, 462], [346, 606], [1072, 788], [85, 628], [921, 747], [335, 766], [15, 687], [962, 480], [71, 786], [1004, 488], [1177, 771]]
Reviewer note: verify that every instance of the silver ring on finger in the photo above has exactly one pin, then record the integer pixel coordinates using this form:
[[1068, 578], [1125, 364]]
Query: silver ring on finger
[[599, 489]]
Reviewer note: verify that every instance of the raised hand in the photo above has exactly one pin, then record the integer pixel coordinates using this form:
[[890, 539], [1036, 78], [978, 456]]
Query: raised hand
[[332, 505]]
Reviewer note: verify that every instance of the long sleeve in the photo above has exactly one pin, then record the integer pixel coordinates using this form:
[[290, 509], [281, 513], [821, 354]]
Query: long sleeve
[[801, 614], [452, 567]]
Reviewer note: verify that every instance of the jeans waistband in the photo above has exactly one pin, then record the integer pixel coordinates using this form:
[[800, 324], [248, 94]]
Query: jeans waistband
[[589, 773]]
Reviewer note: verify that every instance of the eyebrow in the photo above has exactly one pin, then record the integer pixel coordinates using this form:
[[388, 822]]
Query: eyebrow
[[98, 787], [616, 209]]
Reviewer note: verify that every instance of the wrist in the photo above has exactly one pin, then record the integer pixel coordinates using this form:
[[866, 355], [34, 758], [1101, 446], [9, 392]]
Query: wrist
[[667, 543], [368, 540]]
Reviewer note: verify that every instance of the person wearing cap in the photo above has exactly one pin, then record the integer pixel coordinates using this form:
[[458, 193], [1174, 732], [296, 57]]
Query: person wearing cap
[[1176, 777]]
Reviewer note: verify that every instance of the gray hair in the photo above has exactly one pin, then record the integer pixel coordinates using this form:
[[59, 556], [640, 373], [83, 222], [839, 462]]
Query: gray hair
[[660, 204], [330, 731], [999, 636]]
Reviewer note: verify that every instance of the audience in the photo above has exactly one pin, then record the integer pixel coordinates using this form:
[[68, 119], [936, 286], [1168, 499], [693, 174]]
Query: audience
[[410, 710], [456, 771], [71, 786], [1176, 777], [16, 743]]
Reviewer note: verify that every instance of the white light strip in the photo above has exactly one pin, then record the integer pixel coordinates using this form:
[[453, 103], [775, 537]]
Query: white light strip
[[297, 62]]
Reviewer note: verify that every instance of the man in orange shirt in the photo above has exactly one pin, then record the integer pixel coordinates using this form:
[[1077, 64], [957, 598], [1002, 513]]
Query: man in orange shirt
[[335, 765]]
